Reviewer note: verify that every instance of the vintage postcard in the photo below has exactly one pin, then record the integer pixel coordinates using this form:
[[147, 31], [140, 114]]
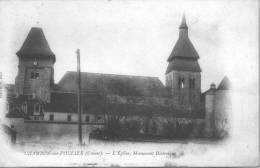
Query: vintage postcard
[[129, 83]]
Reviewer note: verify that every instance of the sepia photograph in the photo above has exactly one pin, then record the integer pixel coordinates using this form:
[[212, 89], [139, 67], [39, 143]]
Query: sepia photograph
[[129, 83]]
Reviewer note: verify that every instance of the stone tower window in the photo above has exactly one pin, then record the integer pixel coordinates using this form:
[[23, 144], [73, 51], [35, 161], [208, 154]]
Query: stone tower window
[[35, 63], [51, 117], [181, 83], [37, 109], [192, 83], [87, 118], [24, 108], [35, 75], [69, 118]]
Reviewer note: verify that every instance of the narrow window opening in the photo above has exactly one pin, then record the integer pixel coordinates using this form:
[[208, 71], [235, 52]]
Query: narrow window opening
[[51, 117], [35, 75], [192, 83], [69, 118], [37, 109], [181, 83], [87, 118]]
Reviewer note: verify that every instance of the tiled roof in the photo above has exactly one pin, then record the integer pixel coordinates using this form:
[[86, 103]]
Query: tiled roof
[[122, 85], [94, 104], [184, 49], [67, 103], [36, 45], [224, 84], [203, 95], [183, 65], [183, 56]]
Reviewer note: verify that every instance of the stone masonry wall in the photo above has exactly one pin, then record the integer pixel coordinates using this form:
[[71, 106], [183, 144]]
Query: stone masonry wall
[[222, 112], [25, 85], [49, 132], [184, 97]]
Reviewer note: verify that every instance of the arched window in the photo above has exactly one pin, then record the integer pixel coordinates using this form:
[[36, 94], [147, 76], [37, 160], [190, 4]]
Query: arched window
[[35, 75], [37, 109], [181, 83], [24, 107]]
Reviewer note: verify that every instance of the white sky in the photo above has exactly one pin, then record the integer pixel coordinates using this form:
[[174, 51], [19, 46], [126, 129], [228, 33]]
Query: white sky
[[135, 37]]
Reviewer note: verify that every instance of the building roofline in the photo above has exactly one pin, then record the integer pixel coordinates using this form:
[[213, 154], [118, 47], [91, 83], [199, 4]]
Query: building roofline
[[108, 74]]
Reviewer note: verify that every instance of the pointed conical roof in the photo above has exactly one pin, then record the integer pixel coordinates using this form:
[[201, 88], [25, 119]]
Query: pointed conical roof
[[183, 57], [36, 45], [224, 84], [183, 47], [183, 65], [183, 23]]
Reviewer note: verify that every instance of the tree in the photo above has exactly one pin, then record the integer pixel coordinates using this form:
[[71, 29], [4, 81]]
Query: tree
[[169, 129]]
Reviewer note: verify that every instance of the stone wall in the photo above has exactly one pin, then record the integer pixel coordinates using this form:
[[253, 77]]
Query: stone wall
[[218, 109], [222, 112], [184, 97], [25, 85], [209, 115], [74, 117], [33, 131], [65, 132]]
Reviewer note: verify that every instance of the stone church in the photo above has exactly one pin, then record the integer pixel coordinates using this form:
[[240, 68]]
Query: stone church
[[39, 108]]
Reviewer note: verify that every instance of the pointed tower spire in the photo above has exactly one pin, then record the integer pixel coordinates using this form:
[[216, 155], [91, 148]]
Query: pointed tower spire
[[183, 72], [36, 45], [183, 22], [35, 69], [183, 48]]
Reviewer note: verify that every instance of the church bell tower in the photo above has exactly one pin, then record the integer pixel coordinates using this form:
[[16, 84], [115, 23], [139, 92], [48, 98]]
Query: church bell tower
[[183, 72], [35, 69]]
